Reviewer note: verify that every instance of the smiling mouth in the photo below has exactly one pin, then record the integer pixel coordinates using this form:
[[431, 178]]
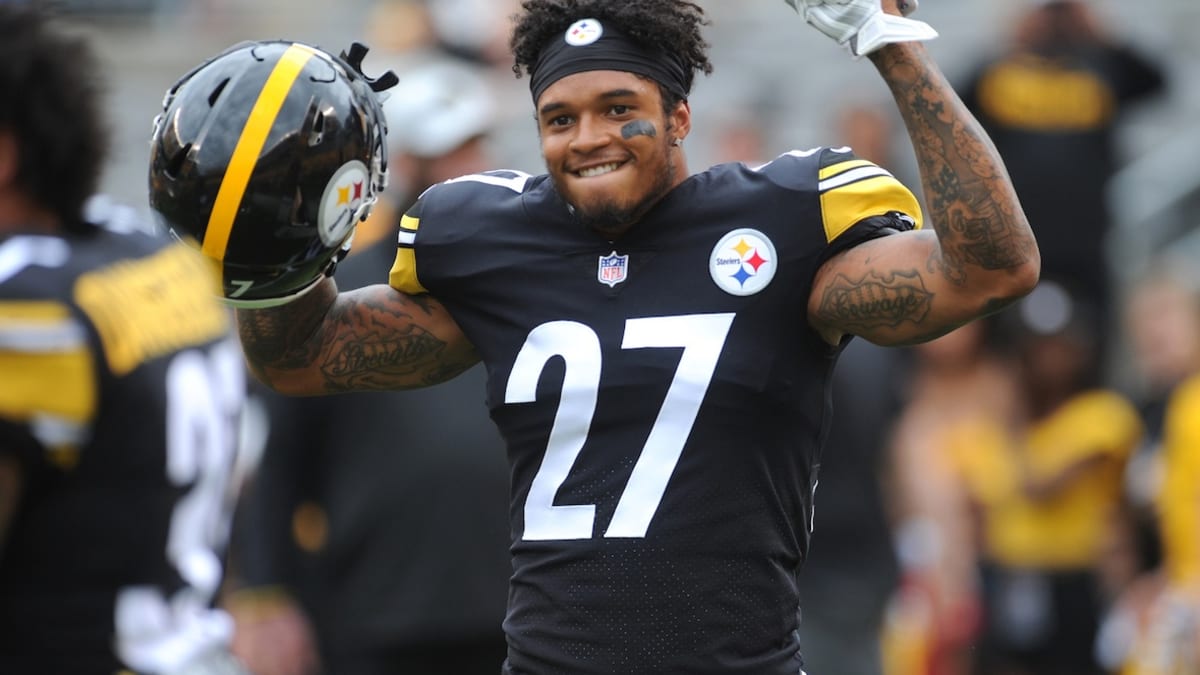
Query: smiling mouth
[[592, 172]]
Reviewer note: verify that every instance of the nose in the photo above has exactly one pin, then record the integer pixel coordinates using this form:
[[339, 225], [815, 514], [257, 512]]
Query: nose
[[591, 134]]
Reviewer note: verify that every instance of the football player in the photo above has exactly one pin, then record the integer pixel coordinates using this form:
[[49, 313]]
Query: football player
[[121, 383], [658, 342]]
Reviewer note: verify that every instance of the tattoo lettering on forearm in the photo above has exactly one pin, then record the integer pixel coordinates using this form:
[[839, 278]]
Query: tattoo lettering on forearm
[[360, 360], [972, 205], [877, 301]]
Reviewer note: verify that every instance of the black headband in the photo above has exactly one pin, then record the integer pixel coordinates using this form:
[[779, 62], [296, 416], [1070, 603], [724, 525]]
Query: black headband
[[588, 45]]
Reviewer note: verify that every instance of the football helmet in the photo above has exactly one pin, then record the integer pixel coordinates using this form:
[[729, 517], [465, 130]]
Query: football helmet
[[266, 157]]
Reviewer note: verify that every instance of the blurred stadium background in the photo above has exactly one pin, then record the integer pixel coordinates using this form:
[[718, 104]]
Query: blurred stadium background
[[771, 71]]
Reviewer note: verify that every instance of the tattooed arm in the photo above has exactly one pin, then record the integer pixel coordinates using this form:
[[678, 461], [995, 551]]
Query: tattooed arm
[[373, 338], [980, 254]]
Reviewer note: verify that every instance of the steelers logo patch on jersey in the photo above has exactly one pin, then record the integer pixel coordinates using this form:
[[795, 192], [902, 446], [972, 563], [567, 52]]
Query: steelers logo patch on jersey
[[743, 262], [342, 202], [584, 32]]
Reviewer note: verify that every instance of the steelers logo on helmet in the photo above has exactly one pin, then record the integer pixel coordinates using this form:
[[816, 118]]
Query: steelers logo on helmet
[[343, 202], [743, 262], [584, 32]]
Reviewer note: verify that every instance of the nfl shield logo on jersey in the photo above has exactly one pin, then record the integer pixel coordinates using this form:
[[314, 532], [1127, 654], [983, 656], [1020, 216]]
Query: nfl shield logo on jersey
[[612, 269]]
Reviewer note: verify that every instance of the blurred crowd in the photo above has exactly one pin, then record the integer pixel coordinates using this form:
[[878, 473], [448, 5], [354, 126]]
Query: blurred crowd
[[1018, 497]]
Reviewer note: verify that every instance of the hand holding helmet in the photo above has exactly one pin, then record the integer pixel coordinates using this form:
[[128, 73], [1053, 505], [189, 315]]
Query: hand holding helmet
[[267, 157], [861, 25]]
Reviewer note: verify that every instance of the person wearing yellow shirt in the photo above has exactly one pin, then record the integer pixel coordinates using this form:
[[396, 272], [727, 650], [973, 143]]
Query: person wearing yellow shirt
[[1166, 623], [1046, 487]]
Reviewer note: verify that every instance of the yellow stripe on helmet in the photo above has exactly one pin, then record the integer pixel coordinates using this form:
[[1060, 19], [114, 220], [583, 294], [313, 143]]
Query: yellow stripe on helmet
[[249, 147]]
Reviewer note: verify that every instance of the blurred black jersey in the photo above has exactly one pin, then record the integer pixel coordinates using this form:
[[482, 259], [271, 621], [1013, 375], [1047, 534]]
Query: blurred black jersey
[[662, 397], [120, 396]]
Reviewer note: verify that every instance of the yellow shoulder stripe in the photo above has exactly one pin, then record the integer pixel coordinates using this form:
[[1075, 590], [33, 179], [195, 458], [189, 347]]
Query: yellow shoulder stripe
[[38, 326], [54, 394], [858, 189], [49, 380], [403, 276]]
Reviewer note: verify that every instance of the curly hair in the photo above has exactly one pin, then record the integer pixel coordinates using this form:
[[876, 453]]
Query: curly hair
[[52, 107], [668, 25]]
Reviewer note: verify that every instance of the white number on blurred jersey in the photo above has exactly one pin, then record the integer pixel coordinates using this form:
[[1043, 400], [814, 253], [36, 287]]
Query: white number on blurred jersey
[[205, 394]]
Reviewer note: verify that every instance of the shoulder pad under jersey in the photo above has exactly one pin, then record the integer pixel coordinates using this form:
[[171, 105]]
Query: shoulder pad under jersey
[[451, 203], [851, 189]]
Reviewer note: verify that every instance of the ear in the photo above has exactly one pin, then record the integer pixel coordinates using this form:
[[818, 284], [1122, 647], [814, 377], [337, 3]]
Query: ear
[[680, 120]]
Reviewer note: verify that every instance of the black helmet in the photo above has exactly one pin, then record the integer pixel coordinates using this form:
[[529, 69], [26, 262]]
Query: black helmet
[[267, 156]]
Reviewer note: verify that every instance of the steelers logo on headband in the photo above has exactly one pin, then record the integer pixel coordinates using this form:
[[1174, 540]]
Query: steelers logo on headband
[[584, 32], [589, 45]]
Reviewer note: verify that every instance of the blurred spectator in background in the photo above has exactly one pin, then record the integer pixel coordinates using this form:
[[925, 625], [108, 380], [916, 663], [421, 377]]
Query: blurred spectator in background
[[374, 538], [1052, 103], [1047, 489], [934, 616], [399, 26], [474, 29], [1155, 627], [120, 389], [1162, 329]]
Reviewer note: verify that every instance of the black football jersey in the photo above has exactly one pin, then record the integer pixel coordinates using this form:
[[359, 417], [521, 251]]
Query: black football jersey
[[662, 397], [121, 390]]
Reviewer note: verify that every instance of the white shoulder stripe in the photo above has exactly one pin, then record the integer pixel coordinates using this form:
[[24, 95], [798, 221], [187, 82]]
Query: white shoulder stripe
[[22, 251], [516, 182], [800, 154], [407, 238], [852, 176], [42, 337], [53, 431]]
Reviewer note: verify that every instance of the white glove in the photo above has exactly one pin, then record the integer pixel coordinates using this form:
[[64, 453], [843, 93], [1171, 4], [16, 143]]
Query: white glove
[[861, 25]]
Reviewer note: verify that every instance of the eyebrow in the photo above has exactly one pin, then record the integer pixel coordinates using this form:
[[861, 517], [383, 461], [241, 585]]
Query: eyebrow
[[615, 93]]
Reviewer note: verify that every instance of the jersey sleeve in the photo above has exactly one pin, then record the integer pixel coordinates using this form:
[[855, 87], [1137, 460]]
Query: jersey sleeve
[[1104, 423], [456, 207], [403, 276], [50, 388], [857, 199], [854, 190]]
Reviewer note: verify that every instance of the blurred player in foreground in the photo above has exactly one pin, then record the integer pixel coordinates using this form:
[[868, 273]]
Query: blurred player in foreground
[[122, 384]]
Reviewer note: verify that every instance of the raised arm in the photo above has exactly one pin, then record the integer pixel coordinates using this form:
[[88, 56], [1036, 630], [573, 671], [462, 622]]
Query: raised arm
[[980, 254], [373, 338]]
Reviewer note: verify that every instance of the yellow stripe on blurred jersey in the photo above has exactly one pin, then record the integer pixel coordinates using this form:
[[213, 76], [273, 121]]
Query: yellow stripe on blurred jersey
[[54, 385]]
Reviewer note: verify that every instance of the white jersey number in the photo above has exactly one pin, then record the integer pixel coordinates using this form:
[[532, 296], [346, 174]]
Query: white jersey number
[[205, 394], [702, 337]]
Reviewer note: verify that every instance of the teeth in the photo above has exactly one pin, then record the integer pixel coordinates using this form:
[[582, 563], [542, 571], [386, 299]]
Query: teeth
[[599, 170]]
